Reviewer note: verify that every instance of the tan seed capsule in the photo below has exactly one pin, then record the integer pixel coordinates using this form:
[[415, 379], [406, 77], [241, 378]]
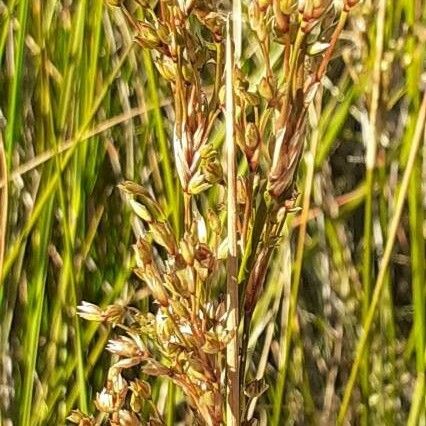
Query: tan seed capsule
[[265, 89], [153, 280], [140, 210], [143, 388], [241, 192], [198, 184], [128, 418], [187, 250], [254, 15], [252, 137], [212, 171], [204, 255], [188, 73], [147, 36], [313, 11], [143, 252], [162, 235], [163, 33], [81, 419], [167, 68], [114, 314], [105, 401]]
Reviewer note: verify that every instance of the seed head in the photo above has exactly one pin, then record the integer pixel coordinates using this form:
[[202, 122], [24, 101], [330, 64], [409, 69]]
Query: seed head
[[141, 388], [90, 312], [147, 36], [127, 347], [167, 68], [152, 278], [143, 252], [265, 89], [163, 235], [198, 183], [107, 401], [312, 11], [81, 419], [257, 20], [186, 248], [212, 170], [252, 143], [113, 314], [127, 418], [287, 152]]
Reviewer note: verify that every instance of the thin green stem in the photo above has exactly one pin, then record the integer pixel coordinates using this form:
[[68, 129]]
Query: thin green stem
[[393, 228]]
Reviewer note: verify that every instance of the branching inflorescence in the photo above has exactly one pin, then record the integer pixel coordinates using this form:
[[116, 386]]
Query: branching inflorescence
[[183, 337]]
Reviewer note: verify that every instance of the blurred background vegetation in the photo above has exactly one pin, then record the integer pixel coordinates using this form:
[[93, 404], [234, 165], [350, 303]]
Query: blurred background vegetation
[[82, 108]]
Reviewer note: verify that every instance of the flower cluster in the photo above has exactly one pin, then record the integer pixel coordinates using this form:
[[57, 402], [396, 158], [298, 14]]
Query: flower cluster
[[186, 332], [183, 336]]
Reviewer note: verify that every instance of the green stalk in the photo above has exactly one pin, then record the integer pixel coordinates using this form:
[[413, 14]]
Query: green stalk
[[286, 338], [370, 164], [173, 197], [4, 208], [416, 216], [49, 189], [393, 228], [35, 309], [417, 404], [16, 86]]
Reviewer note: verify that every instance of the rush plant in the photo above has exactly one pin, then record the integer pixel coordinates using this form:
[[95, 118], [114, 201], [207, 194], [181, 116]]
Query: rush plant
[[203, 250]]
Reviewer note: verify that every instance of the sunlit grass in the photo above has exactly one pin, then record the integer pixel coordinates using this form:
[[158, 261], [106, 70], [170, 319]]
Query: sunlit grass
[[339, 332]]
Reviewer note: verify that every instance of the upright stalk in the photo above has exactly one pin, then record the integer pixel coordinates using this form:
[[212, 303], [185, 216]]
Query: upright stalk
[[3, 204], [232, 381], [297, 273], [416, 217], [381, 278], [370, 162]]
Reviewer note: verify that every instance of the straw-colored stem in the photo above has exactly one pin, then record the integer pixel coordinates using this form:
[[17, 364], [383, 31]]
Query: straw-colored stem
[[232, 380]]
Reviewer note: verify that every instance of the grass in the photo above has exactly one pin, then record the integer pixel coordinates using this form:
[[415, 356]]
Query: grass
[[337, 334]]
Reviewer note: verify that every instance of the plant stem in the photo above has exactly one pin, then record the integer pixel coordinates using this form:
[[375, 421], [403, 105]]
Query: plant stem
[[393, 228], [15, 93], [232, 380], [370, 163], [297, 271], [3, 204]]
